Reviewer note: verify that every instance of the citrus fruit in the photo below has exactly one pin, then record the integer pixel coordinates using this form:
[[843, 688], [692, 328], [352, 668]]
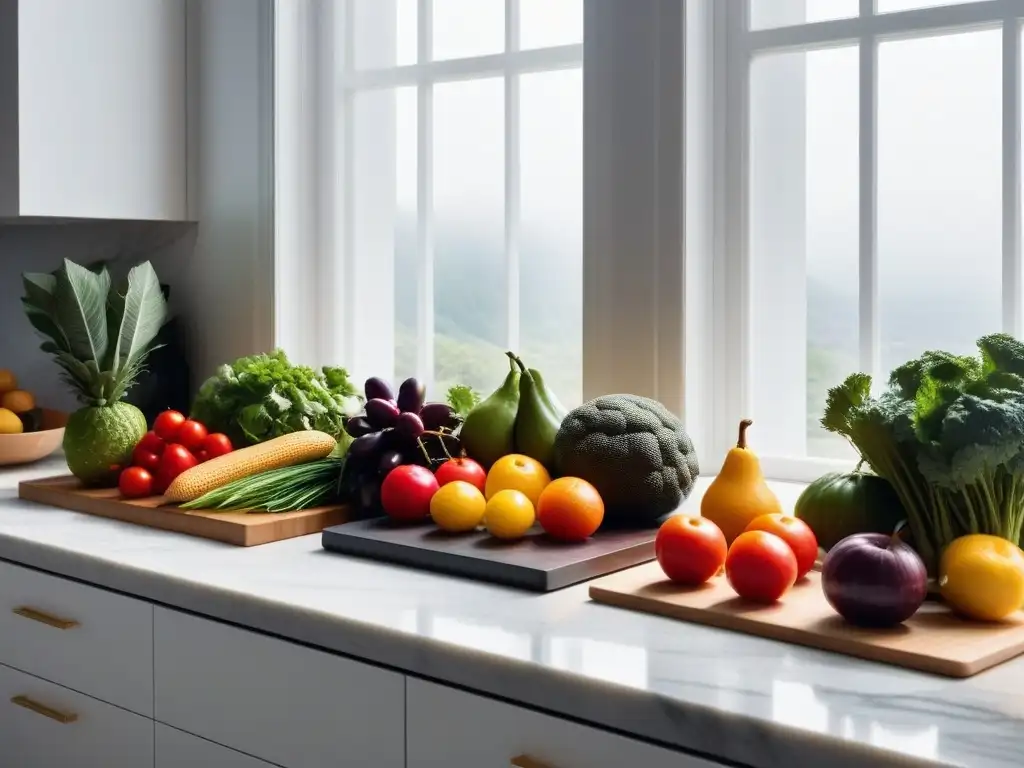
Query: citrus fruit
[[457, 506], [7, 381], [570, 509], [18, 400], [10, 424], [99, 440], [516, 472], [509, 514]]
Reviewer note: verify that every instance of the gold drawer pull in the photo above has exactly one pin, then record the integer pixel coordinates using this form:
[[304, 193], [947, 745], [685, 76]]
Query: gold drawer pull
[[41, 709], [45, 618], [525, 761]]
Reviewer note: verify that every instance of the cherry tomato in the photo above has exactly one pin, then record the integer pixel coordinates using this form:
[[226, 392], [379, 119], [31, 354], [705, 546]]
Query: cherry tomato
[[175, 460], [145, 459], [216, 445], [406, 492], [135, 482], [152, 442], [191, 434], [795, 532], [760, 566], [201, 455], [689, 549], [466, 470], [167, 425]]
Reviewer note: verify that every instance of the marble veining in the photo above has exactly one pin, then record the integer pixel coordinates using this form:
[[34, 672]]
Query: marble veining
[[738, 698]]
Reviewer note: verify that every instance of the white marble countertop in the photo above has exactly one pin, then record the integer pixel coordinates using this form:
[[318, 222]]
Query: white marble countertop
[[748, 700]]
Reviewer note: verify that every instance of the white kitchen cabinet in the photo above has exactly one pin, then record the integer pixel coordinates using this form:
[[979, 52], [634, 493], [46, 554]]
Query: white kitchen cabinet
[[88, 639], [448, 727], [92, 109], [43, 725], [276, 700], [176, 749]]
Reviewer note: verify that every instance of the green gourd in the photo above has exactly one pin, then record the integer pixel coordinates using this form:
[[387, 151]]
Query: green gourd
[[839, 504]]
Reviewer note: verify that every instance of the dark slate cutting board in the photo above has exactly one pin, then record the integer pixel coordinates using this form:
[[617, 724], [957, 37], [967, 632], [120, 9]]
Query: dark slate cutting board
[[535, 562]]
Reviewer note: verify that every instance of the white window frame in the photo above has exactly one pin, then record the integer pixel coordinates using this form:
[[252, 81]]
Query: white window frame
[[733, 258]]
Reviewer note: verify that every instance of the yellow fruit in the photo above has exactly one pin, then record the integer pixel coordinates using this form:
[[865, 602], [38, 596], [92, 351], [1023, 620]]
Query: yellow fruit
[[10, 424], [982, 577], [457, 506], [7, 381], [516, 472], [509, 514], [18, 400]]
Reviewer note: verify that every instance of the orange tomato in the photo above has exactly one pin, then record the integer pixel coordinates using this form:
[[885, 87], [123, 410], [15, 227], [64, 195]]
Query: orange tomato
[[570, 509], [690, 550], [793, 531]]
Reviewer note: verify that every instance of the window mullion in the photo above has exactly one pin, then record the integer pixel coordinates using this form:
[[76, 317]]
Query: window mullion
[[1011, 278], [868, 199], [425, 200], [512, 185]]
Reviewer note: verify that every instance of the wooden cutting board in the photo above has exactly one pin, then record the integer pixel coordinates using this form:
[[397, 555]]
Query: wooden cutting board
[[933, 640], [245, 529]]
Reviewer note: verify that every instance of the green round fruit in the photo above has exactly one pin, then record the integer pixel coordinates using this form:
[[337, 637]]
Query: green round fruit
[[98, 441], [840, 504], [634, 451]]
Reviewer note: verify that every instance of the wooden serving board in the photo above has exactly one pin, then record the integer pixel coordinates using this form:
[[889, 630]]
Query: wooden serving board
[[245, 529], [535, 562], [933, 640]]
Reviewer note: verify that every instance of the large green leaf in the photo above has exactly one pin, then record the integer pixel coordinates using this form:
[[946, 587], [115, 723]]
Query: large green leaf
[[142, 311], [81, 310]]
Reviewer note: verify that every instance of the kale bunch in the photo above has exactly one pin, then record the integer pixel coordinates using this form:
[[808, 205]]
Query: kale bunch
[[948, 434]]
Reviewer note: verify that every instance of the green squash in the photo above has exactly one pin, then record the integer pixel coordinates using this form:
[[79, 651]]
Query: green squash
[[839, 504]]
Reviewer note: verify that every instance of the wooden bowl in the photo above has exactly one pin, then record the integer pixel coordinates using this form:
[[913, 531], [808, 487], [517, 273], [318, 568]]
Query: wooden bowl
[[33, 446]]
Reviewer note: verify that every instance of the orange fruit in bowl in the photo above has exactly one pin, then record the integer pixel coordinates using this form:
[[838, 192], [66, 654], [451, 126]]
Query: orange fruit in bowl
[[18, 400], [8, 380], [516, 472], [570, 509]]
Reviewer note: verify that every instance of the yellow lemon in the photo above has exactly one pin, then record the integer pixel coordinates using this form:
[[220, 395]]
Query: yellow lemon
[[516, 472], [7, 381], [457, 506], [509, 514], [10, 424], [982, 576], [18, 400]]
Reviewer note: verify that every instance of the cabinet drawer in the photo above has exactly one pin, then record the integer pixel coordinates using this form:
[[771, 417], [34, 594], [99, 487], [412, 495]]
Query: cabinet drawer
[[275, 700], [176, 749], [85, 638], [43, 725], [447, 727]]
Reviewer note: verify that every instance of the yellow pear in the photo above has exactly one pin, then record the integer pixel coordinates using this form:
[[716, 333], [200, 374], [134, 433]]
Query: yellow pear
[[739, 493]]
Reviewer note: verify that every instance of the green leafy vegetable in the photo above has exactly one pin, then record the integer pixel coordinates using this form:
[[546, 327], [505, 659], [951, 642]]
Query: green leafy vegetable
[[462, 399], [260, 397], [948, 434], [285, 489]]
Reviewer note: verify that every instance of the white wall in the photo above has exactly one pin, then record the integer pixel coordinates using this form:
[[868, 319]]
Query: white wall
[[41, 248]]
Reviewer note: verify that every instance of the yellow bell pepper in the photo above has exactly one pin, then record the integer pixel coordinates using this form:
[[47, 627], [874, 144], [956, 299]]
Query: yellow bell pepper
[[982, 577]]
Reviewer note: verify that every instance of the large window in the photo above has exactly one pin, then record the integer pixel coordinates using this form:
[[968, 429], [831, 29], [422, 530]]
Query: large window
[[461, 181], [874, 181]]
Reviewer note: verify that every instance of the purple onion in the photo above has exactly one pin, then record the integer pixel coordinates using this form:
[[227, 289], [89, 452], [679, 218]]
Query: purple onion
[[874, 580]]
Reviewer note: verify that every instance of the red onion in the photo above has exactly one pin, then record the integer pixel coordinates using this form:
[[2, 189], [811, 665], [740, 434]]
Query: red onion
[[874, 580]]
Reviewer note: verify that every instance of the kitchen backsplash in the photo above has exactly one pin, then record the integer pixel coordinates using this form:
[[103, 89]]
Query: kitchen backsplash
[[41, 248]]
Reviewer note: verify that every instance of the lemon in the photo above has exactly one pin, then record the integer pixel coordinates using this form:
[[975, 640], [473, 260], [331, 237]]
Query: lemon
[[509, 514], [10, 424], [457, 506], [7, 380], [518, 473]]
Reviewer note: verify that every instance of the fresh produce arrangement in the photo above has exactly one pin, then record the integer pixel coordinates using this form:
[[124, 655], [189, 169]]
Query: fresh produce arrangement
[[100, 338], [18, 411]]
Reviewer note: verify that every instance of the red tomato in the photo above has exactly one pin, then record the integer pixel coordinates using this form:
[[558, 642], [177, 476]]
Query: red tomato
[[690, 550], [152, 442], [201, 455], [145, 459], [793, 531], [216, 445], [760, 566], [191, 434], [135, 482], [462, 469], [406, 492], [175, 460], [167, 424]]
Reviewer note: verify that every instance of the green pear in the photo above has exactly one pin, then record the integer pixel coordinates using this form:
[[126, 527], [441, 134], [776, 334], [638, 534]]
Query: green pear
[[488, 433], [536, 423]]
